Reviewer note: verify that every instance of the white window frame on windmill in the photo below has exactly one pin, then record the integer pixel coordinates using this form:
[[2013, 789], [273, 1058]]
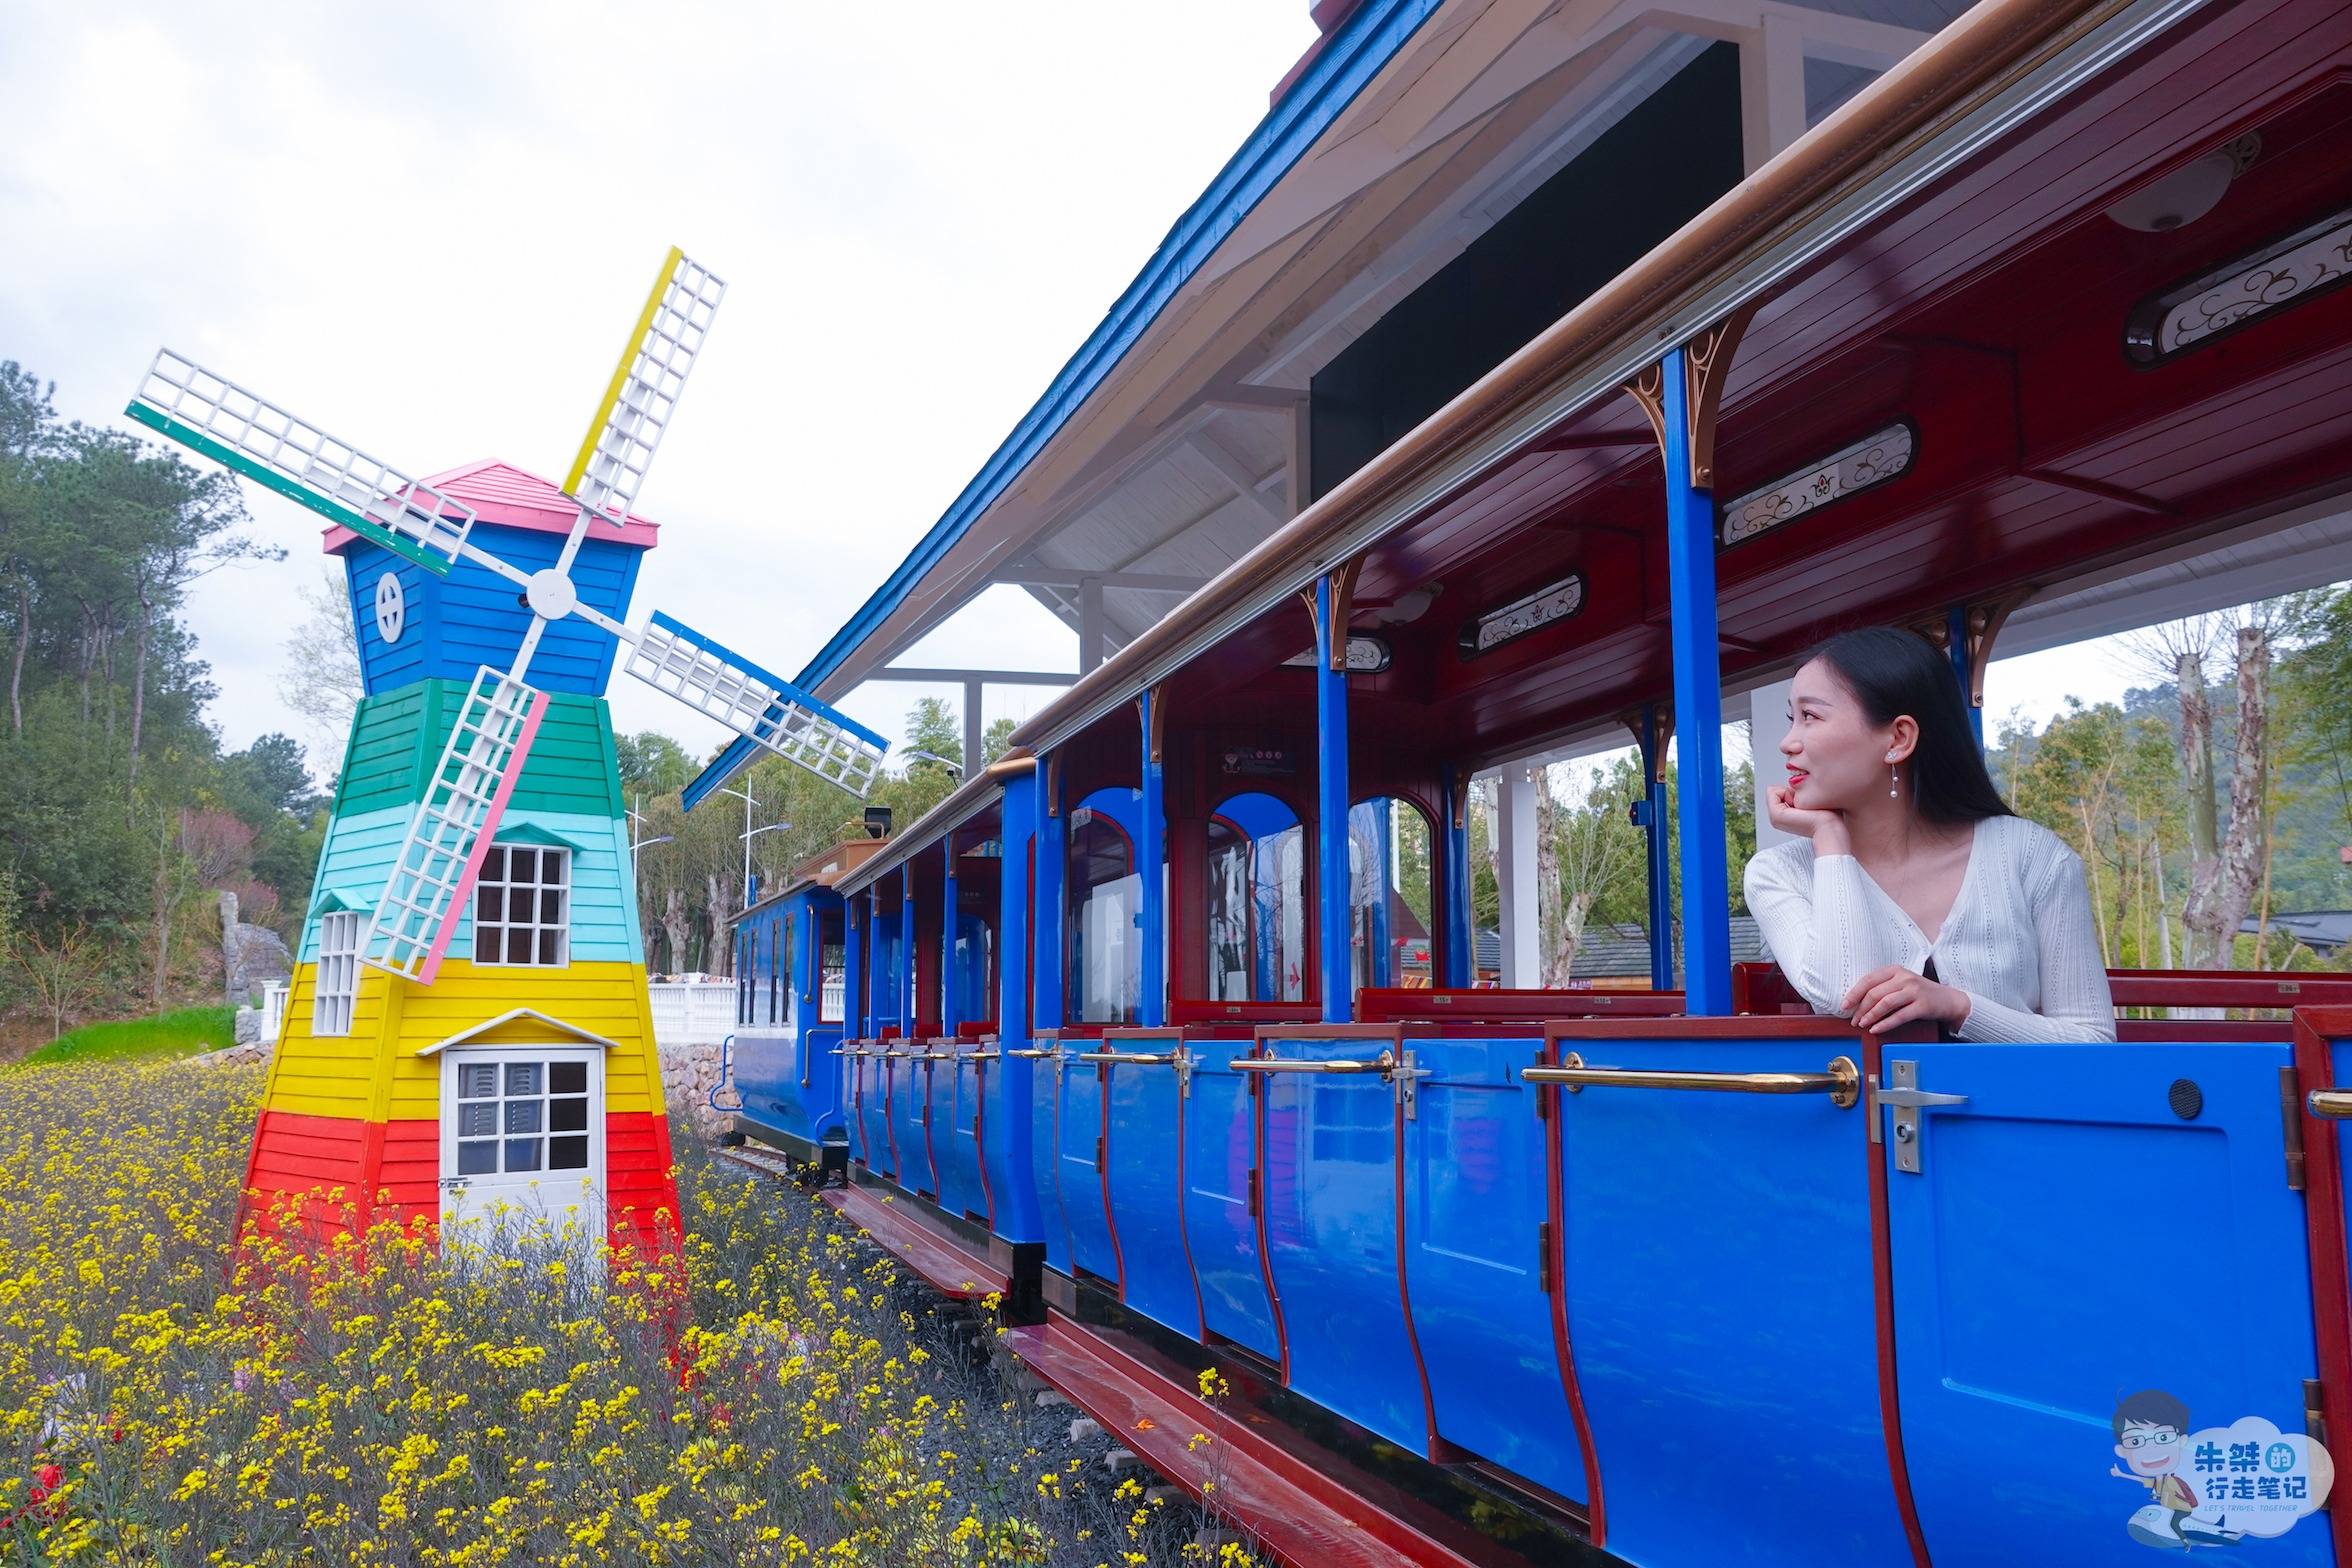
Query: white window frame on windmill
[[335, 978], [503, 925]]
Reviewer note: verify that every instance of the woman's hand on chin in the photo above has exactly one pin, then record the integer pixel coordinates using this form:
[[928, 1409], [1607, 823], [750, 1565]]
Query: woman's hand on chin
[[1893, 996], [1827, 829]]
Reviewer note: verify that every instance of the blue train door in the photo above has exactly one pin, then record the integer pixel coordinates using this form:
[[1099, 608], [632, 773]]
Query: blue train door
[[2072, 1227]]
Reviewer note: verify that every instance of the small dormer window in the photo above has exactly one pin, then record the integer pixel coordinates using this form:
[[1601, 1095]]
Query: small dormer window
[[522, 906]]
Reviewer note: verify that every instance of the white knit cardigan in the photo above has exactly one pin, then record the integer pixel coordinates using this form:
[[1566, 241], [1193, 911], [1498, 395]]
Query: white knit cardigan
[[2019, 939]]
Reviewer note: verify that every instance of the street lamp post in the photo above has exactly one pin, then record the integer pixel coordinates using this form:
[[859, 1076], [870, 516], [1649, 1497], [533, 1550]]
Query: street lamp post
[[773, 827]]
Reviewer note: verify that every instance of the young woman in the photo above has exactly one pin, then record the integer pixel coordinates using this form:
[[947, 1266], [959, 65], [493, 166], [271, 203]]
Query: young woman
[[1912, 893]]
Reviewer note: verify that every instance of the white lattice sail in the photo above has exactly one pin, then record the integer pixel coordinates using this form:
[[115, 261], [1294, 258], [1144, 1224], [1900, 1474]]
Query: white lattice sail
[[762, 707], [645, 386], [434, 872], [211, 414]]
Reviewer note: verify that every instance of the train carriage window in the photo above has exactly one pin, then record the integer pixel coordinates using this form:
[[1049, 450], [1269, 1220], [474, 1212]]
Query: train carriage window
[[832, 971], [1389, 891], [1106, 912], [1257, 902]]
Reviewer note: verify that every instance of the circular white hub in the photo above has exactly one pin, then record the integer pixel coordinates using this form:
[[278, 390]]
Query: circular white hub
[[551, 594], [391, 607]]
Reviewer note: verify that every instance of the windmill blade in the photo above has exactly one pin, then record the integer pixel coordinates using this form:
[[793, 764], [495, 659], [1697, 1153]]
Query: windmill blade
[[644, 389], [762, 707], [241, 430], [441, 855]]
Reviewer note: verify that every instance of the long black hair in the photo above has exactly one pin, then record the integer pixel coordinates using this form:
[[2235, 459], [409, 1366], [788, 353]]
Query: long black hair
[[1892, 672]]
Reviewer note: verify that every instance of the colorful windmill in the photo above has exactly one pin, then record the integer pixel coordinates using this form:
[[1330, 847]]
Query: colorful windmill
[[480, 811]]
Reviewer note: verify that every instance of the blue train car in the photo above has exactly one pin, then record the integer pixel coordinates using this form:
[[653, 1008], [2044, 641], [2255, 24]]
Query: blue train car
[[791, 999], [2040, 337]]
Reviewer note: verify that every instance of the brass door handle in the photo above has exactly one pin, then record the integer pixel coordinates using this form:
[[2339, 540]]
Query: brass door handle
[[1132, 1058], [1032, 1051], [982, 1056], [1384, 1063], [1842, 1082], [2330, 1105]]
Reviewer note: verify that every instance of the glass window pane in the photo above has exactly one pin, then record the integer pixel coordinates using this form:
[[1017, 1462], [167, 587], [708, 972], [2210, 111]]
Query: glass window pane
[[567, 1115], [494, 864], [550, 907], [477, 1159], [522, 865], [551, 947], [491, 905], [522, 1078], [477, 1081], [485, 945], [568, 1154], [522, 1116], [567, 1077], [477, 1120], [522, 1154], [518, 946]]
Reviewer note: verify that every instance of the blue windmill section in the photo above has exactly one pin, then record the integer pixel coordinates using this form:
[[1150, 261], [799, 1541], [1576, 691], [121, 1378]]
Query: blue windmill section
[[451, 626], [360, 848], [741, 750]]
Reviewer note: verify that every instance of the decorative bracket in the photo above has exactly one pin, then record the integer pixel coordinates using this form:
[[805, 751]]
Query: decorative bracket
[[1631, 718], [1984, 623], [1706, 365], [1158, 711], [1343, 596]]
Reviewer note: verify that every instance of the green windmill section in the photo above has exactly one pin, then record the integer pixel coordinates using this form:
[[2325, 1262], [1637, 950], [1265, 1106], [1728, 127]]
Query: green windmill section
[[397, 736]]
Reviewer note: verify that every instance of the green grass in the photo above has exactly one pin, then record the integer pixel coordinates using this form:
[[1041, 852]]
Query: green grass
[[182, 1032]]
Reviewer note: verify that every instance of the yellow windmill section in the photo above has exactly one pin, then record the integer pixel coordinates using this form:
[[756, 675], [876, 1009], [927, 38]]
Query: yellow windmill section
[[620, 375], [375, 1074]]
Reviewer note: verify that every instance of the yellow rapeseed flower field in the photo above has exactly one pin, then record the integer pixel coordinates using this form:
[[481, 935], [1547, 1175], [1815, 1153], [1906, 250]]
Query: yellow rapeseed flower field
[[770, 1393]]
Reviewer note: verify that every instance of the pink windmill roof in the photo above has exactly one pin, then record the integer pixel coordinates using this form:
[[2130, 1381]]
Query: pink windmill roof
[[502, 493]]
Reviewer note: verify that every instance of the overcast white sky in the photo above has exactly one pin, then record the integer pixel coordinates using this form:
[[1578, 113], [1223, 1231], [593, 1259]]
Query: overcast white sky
[[426, 227]]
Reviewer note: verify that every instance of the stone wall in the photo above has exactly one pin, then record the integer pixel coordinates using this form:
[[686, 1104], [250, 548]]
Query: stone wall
[[689, 1072], [251, 956]]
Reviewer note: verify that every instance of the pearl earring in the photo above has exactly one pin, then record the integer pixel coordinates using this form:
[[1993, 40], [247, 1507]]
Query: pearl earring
[[1894, 779]]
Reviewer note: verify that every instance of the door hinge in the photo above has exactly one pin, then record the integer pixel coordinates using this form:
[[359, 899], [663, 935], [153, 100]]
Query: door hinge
[[1252, 1185], [1543, 1256], [2314, 1415], [2291, 1122], [1101, 1149]]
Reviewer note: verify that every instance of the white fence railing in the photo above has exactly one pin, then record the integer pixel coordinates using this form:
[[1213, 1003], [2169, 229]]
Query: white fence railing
[[692, 1012], [836, 993]]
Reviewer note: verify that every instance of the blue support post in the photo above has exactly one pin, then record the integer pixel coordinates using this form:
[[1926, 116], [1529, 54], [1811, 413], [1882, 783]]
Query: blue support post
[[1383, 870], [1454, 908], [908, 995], [1698, 709], [1956, 645], [874, 980], [1017, 833], [853, 973], [1151, 852], [1334, 930], [951, 1005], [1051, 948], [1661, 873], [1015, 1216]]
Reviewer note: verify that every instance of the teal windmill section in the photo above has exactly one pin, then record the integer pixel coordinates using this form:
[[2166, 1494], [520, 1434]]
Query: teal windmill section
[[361, 846], [397, 736]]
